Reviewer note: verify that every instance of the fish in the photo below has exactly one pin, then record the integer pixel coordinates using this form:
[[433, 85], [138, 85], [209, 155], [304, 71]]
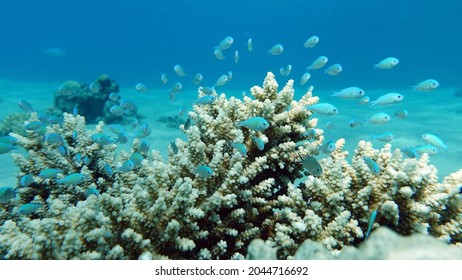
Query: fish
[[54, 52], [372, 165], [55, 120], [258, 142], [197, 78], [174, 147], [116, 110], [72, 179], [127, 166], [236, 56], [310, 133], [387, 99], [328, 147], [206, 90], [426, 149], [144, 131], [204, 171], [25, 106], [163, 78], [311, 165], [353, 123], [122, 138], [384, 137], [379, 118], [219, 54], [330, 125], [6, 194], [305, 77], [137, 158], [206, 99], [311, 42], [427, 85], [229, 75], [7, 139], [102, 139], [91, 191], [334, 69], [255, 123], [94, 87], [223, 79], [49, 173], [434, 140], [140, 87], [402, 114], [410, 152], [282, 71], [75, 110], [86, 160], [179, 70], [127, 104], [364, 100], [26, 180], [177, 87], [116, 129], [33, 125], [240, 147], [187, 124], [288, 70], [276, 49], [318, 63], [114, 96], [144, 147], [326, 109], [387, 63], [349, 93], [371, 223], [29, 208], [226, 43], [250, 44], [54, 139], [63, 150], [108, 169]]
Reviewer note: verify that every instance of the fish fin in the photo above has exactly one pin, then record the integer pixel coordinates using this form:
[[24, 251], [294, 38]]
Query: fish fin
[[375, 66]]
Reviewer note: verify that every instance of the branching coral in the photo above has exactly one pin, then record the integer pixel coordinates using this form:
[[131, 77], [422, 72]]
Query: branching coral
[[166, 209]]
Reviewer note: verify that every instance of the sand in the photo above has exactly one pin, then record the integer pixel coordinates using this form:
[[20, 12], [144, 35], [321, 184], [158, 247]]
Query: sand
[[438, 112]]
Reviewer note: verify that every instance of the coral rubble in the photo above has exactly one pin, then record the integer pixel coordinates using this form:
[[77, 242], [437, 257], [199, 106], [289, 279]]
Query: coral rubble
[[160, 208]]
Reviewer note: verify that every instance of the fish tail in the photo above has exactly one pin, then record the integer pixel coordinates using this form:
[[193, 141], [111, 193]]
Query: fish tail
[[375, 66]]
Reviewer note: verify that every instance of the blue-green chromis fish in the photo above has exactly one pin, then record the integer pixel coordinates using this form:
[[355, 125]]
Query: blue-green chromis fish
[[72, 179], [328, 147], [241, 148], [7, 193], [258, 142], [29, 208], [372, 165], [255, 123], [137, 158], [311, 165], [204, 100], [371, 223], [174, 148], [5, 148], [204, 171], [49, 173], [127, 166], [326, 109], [434, 140], [384, 137], [108, 170], [91, 191], [410, 152], [26, 180]]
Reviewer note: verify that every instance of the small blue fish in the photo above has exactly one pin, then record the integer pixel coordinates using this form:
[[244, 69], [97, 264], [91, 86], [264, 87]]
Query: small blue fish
[[91, 191], [78, 158], [116, 110], [54, 138], [328, 147], [258, 142], [55, 120], [127, 104], [23, 104], [86, 160], [102, 139], [108, 170], [72, 179], [136, 158], [241, 148], [26, 180], [311, 165], [326, 109], [113, 96], [371, 223], [62, 150], [144, 147], [144, 131], [8, 140], [310, 133], [5, 148], [49, 173], [7, 193], [116, 129], [372, 165], [255, 123], [75, 111], [204, 171], [174, 148], [187, 124], [29, 208], [384, 137], [74, 135], [206, 99], [34, 125], [410, 152], [127, 166], [123, 138], [426, 149], [434, 140]]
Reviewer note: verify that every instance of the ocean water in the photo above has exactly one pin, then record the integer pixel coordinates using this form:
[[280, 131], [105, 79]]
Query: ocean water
[[45, 43]]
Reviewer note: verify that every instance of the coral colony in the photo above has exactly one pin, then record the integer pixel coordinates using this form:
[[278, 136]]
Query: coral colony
[[246, 172]]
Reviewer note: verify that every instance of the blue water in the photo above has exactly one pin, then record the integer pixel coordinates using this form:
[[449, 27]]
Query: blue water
[[136, 41]]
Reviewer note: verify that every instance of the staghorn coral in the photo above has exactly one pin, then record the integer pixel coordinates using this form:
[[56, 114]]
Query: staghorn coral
[[163, 209]]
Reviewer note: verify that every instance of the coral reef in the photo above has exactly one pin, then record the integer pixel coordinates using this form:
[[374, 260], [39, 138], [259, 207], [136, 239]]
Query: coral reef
[[153, 208]]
